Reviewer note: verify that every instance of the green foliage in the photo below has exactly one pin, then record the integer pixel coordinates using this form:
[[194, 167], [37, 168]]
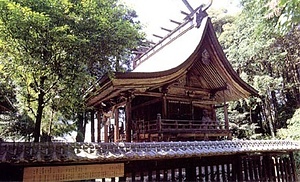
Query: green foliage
[[17, 128], [293, 129], [245, 131], [288, 12], [265, 83], [244, 119], [292, 132], [54, 50], [282, 15], [267, 58]]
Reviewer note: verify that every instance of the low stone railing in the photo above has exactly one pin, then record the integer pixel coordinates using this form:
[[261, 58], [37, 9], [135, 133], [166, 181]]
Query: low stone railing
[[87, 152]]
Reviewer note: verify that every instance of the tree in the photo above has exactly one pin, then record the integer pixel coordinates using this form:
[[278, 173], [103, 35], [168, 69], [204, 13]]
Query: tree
[[267, 58], [55, 50]]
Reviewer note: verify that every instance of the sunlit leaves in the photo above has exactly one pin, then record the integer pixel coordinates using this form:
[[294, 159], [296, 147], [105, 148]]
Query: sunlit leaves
[[266, 56], [55, 49], [290, 15], [264, 83], [293, 129]]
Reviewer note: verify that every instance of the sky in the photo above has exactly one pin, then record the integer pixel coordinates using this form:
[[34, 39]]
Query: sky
[[155, 14]]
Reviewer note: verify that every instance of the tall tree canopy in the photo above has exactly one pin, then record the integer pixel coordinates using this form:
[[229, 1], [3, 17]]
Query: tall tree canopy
[[55, 49], [263, 45]]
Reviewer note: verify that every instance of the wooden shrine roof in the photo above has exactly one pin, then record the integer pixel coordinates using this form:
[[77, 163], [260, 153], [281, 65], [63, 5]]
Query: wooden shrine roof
[[191, 64], [67, 153]]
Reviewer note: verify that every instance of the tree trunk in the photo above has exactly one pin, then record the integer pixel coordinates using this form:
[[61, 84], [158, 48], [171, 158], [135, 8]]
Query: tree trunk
[[38, 121], [297, 95], [274, 109], [92, 126], [85, 117], [80, 128], [269, 117]]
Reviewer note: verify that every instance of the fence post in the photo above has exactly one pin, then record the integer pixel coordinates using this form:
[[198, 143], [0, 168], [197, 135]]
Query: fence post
[[293, 165], [191, 170], [159, 127]]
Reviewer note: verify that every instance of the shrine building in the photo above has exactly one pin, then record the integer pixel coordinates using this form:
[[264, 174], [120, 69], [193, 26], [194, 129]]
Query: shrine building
[[174, 83]]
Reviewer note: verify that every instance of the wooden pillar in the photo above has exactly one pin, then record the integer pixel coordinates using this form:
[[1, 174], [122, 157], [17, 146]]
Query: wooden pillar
[[106, 117], [193, 110], [128, 119], [158, 122], [116, 134], [158, 125], [226, 117], [105, 131], [99, 120], [164, 108], [92, 126]]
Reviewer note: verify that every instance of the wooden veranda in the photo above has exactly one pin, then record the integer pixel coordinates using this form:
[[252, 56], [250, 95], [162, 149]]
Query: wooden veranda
[[179, 130]]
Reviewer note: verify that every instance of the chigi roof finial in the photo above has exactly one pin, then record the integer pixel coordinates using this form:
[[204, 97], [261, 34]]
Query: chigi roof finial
[[200, 11], [192, 10]]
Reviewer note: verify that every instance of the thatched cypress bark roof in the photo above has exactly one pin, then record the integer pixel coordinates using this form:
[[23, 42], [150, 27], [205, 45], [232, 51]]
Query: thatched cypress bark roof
[[191, 64]]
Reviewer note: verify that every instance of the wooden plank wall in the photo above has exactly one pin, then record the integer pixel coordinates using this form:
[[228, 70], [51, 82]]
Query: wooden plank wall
[[267, 167], [262, 167]]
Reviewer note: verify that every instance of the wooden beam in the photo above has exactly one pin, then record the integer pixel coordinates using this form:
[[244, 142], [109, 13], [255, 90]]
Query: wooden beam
[[165, 29], [158, 36], [185, 13], [215, 90], [198, 89], [176, 22], [150, 94], [183, 98], [187, 4], [203, 102]]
